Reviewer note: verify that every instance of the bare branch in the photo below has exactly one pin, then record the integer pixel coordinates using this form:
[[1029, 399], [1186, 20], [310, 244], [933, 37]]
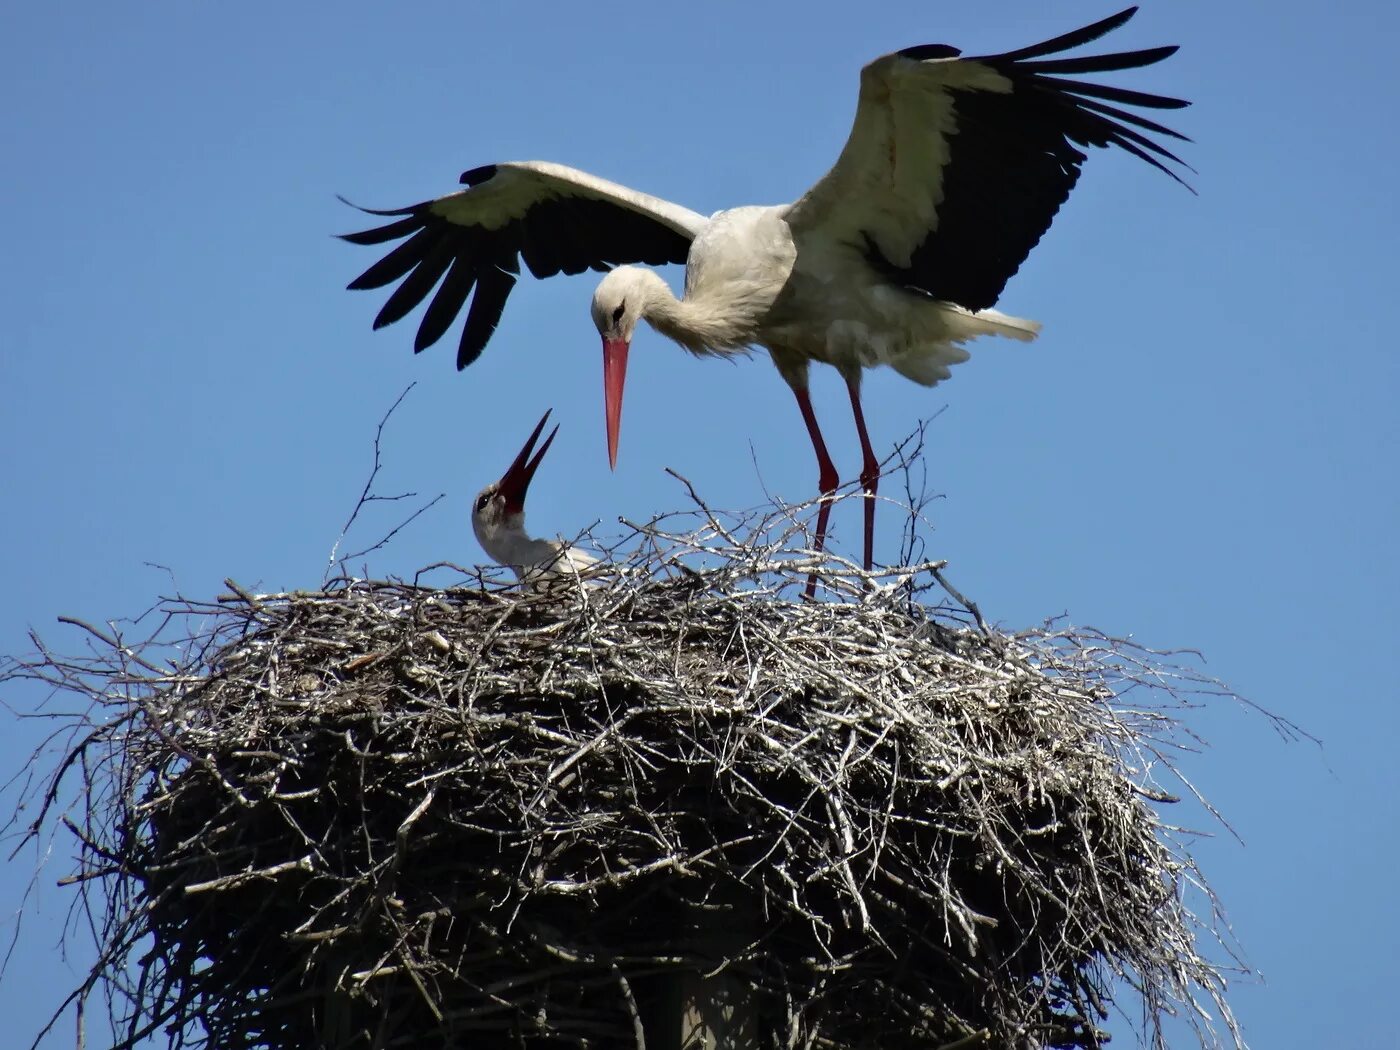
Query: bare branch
[[336, 565]]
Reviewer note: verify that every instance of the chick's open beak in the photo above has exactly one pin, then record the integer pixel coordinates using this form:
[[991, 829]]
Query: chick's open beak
[[516, 480]]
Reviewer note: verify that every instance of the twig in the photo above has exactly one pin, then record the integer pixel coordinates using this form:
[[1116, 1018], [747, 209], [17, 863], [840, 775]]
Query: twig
[[243, 595], [383, 541], [958, 597], [242, 877], [979, 1038], [334, 563]]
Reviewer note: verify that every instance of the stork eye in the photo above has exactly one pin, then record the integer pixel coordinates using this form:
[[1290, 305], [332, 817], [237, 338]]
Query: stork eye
[[617, 314], [482, 500]]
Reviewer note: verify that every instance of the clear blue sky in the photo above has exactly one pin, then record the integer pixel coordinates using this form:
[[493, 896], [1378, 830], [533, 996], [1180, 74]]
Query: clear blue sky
[[1200, 450]]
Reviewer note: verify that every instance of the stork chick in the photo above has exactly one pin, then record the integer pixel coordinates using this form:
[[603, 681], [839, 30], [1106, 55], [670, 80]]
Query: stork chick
[[498, 519]]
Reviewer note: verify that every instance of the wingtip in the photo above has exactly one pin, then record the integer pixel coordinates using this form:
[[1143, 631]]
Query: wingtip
[[1069, 41], [388, 212], [350, 237], [468, 350], [1107, 25]]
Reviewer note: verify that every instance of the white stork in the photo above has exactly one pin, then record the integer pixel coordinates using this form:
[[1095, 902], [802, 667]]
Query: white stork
[[498, 519], [953, 170]]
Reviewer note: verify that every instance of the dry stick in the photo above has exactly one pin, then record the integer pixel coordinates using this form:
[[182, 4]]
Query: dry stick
[[910, 451], [243, 595], [968, 1042], [367, 497], [704, 507], [374, 472], [113, 642], [639, 1035], [399, 527], [958, 597], [239, 878]]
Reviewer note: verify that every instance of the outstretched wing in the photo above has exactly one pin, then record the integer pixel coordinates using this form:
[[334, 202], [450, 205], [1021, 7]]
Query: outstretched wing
[[955, 167], [469, 244]]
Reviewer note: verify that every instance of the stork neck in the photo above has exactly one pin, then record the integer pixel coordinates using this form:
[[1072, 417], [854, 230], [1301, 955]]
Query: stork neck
[[696, 325]]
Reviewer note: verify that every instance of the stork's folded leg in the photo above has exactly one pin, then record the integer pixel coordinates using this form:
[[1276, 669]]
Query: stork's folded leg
[[826, 478], [869, 472]]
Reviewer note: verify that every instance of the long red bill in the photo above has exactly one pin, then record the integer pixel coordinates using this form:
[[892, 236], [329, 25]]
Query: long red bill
[[516, 480], [614, 376]]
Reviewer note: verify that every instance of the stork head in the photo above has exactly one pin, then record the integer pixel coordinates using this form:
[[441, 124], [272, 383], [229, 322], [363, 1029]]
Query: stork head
[[618, 304], [499, 511]]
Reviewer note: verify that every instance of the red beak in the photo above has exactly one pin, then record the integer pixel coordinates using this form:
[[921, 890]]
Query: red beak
[[614, 376], [516, 480]]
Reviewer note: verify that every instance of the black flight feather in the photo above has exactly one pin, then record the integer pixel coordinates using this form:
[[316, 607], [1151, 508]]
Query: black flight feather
[[1066, 41], [1016, 156], [398, 262], [1101, 63], [447, 303], [416, 285], [492, 289]]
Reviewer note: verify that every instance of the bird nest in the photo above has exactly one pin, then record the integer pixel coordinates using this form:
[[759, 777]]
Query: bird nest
[[387, 814]]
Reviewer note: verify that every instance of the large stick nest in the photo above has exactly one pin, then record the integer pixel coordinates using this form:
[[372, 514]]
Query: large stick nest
[[393, 815]]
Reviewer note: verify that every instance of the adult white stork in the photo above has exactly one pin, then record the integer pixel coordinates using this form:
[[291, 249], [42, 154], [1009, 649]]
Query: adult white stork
[[953, 170], [498, 519]]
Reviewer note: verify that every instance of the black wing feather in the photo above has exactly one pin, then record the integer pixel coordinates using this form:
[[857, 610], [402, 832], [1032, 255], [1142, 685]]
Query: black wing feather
[[1073, 39], [492, 289], [447, 304], [1016, 157], [569, 242], [1101, 63], [416, 285], [398, 262], [380, 234], [1113, 94], [1121, 134], [1142, 155], [539, 250], [1132, 118], [477, 266]]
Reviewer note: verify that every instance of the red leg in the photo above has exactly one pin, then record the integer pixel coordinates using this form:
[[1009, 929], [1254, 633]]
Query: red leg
[[826, 478], [869, 472]]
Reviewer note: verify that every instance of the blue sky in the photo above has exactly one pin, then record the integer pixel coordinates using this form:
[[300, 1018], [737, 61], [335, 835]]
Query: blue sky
[[1199, 451]]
